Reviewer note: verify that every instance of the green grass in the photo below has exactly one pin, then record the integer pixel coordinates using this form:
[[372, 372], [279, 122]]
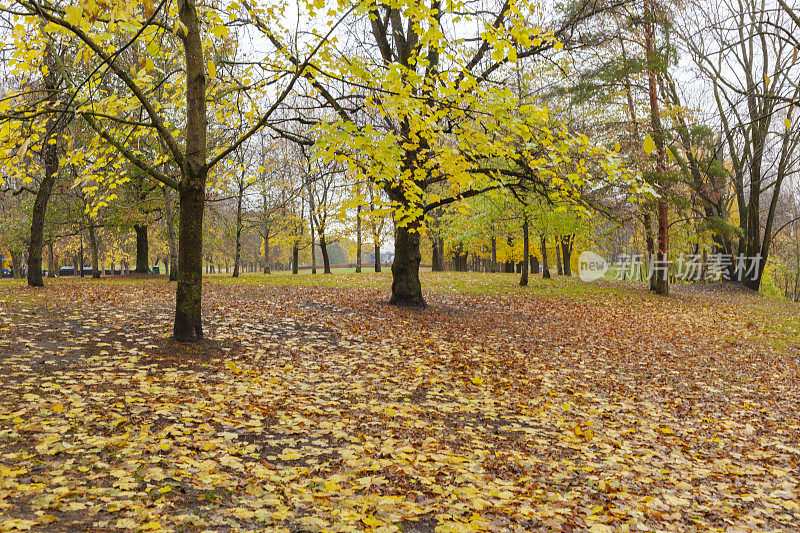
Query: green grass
[[441, 282]]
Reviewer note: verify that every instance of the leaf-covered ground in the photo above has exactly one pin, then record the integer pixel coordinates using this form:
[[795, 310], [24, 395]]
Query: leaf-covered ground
[[314, 406]]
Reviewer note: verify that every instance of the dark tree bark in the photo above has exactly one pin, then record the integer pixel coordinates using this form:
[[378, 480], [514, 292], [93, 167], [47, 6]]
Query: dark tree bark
[[16, 264], [313, 244], [436, 256], [142, 250], [377, 258], [566, 252], [559, 265], [523, 281], [188, 319], [534, 261], [295, 258], [238, 252], [323, 246], [494, 254], [94, 252], [266, 252], [406, 286], [545, 268]]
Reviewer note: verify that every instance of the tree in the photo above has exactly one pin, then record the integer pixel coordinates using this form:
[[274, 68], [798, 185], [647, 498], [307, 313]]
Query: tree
[[434, 114], [193, 28], [747, 56]]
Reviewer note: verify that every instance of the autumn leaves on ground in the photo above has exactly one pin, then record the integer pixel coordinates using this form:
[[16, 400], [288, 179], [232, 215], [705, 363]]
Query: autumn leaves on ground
[[314, 406]]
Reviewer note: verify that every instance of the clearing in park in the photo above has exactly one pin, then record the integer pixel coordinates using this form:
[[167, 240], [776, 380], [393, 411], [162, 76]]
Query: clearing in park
[[313, 406]]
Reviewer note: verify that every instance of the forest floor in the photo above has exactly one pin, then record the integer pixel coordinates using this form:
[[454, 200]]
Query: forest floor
[[312, 405]]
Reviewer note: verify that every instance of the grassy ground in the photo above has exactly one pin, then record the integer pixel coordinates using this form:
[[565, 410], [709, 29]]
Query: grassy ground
[[313, 405]]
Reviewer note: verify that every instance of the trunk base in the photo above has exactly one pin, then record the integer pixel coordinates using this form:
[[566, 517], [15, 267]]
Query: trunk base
[[417, 302]]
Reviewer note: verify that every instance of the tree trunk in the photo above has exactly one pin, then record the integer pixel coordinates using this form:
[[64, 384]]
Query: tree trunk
[[566, 253], [296, 257], [358, 238], [188, 300], [523, 281], [266, 253], [534, 264], [238, 251], [142, 250], [559, 267], [406, 286], [49, 154], [93, 250], [16, 264], [661, 273], [494, 254], [323, 246], [545, 268], [189, 293], [377, 258], [436, 264]]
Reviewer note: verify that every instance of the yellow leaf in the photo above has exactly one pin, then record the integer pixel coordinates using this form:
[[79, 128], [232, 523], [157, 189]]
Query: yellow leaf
[[125, 523], [649, 145], [212, 69], [371, 521], [477, 380], [57, 407]]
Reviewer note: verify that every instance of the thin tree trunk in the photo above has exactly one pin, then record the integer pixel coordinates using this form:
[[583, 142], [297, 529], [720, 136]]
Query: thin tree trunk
[[377, 258], [358, 238], [323, 246], [436, 264], [494, 254], [559, 268], [266, 252], [545, 268], [238, 252], [93, 250], [525, 253], [295, 258]]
